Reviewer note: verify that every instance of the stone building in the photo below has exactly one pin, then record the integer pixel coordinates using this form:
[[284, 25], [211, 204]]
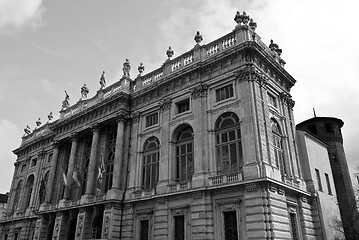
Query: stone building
[[203, 147]]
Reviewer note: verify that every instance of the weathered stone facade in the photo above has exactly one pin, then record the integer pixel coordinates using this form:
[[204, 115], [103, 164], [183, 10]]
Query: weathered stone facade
[[202, 148]]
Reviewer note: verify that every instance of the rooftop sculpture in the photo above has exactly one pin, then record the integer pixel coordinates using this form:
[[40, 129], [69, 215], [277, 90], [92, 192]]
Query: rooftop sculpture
[[66, 103], [84, 91], [103, 80], [126, 68]]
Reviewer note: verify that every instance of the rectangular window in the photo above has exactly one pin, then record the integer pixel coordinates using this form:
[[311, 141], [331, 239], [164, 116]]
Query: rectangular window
[[224, 93], [144, 229], [152, 119], [230, 225], [293, 226], [328, 184], [179, 232], [183, 106], [33, 162], [272, 100], [49, 158], [23, 168], [320, 187]]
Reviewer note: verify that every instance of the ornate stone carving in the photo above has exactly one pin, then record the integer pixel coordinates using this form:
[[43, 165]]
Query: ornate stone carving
[[79, 226], [141, 69], [241, 18], [198, 38], [50, 116], [251, 187], [66, 103], [165, 104], [38, 122], [103, 80], [252, 24], [249, 73], [106, 226], [169, 52], [27, 130], [199, 91], [126, 68], [136, 117], [287, 99], [84, 91]]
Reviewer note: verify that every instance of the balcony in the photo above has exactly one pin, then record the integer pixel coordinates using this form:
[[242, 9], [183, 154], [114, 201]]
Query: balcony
[[225, 179]]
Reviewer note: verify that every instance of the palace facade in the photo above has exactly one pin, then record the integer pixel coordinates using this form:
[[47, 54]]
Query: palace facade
[[204, 147]]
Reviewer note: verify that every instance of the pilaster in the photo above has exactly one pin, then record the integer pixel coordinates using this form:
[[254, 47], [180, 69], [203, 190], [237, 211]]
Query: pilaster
[[70, 169], [50, 182], [164, 169], [199, 102]]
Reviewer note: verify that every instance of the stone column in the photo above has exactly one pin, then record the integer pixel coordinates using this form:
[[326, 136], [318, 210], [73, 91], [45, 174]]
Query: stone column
[[50, 182], [199, 106], [70, 168], [163, 173], [92, 164], [115, 191]]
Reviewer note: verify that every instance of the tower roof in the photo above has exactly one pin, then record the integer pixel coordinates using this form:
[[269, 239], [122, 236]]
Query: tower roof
[[320, 120]]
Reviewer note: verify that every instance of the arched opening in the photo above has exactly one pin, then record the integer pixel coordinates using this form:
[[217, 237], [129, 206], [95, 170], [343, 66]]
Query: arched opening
[[229, 154], [96, 231], [50, 230], [71, 229], [28, 190], [278, 146], [150, 162], [111, 148], [183, 139]]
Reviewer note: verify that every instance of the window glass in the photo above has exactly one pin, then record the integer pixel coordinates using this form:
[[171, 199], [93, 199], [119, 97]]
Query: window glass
[[179, 231], [184, 154], [230, 225], [224, 93], [150, 163], [183, 106], [152, 119]]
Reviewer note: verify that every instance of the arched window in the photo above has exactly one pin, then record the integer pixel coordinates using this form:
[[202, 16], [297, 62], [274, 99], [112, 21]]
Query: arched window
[[229, 152], [50, 230], [111, 148], [96, 231], [17, 195], [150, 163], [278, 146], [28, 190], [184, 154]]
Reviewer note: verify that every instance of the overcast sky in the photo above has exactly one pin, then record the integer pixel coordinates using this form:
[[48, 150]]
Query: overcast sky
[[49, 46]]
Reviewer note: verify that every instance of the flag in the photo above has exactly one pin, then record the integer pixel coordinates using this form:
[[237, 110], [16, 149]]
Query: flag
[[76, 176]]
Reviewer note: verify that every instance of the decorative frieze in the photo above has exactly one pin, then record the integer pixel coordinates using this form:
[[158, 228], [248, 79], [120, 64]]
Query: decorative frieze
[[199, 91]]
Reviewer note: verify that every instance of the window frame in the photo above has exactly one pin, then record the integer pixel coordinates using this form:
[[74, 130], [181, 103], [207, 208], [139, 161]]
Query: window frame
[[144, 215], [272, 100], [327, 179], [222, 90], [188, 156], [177, 212], [319, 180], [180, 103], [220, 145], [292, 211], [150, 122], [150, 153]]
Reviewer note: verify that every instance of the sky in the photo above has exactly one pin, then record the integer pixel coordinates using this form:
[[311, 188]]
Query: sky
[[49, 46]]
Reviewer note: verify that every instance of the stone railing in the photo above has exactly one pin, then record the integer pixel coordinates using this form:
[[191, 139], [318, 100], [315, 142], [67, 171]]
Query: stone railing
[[152, 77], [38, 132], [225, 178], [180, 186]]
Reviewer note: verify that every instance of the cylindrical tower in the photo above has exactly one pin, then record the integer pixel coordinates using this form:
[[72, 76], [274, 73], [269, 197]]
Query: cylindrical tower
[[328, 130]]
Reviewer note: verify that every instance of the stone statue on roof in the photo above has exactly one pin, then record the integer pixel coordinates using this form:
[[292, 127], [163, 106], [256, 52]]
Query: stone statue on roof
[[38, 122], [84, 91], [50, 116], [126, 68], [103, 80], [27, 130], [66, 103]]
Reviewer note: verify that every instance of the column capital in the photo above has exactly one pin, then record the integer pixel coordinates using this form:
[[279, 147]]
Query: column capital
[[41, 154], [199, 91], [165, 104], [121, 117], [74, 136], [95, 127], [136, 117], [55, 143]]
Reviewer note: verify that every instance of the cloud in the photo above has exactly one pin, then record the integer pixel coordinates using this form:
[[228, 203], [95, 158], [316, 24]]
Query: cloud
[[10, 139], [18, 13]]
